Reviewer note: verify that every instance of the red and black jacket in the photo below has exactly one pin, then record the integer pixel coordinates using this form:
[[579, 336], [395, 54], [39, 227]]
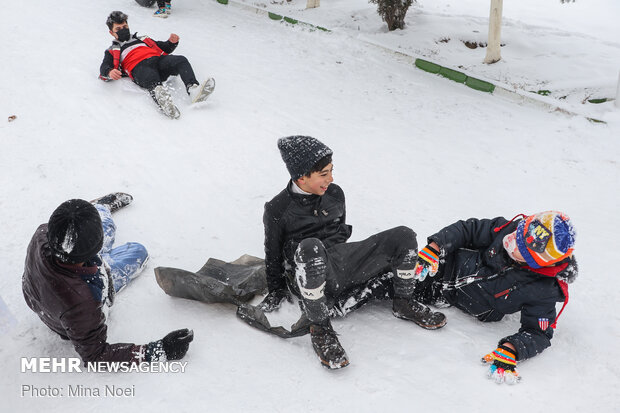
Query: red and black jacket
[[124, 56]]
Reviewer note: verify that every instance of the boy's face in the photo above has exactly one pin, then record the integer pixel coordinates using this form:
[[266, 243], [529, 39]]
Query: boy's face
[[116, 27], [317, 182], [510, 245]]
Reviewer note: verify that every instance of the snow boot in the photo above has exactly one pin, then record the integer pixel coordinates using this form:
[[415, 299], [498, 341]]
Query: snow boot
[[200, 93], [114, 201], [327, 347], [168, 8], [409, 309], [162, 97], [161, 13]]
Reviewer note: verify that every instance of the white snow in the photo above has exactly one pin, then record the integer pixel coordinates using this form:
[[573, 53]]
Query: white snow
[[410, 148]]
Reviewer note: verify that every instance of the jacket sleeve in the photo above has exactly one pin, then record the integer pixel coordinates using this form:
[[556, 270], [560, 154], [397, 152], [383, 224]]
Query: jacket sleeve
[[273, 249], [472, 234], [106, 66], [88, 333], [167, 46], [531, 340]]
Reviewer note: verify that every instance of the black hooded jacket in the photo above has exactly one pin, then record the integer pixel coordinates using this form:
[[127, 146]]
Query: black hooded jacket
[[480, 278], [289, 218]]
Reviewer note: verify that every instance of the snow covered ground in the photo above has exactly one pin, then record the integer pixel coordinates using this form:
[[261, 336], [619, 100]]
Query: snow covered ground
[[410, 148]]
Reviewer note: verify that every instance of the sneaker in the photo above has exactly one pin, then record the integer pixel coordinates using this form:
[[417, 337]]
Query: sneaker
[[161, 13], [168, 8], [114, 201], [200, 93], [162, 97], [409, 309], [327, 347]]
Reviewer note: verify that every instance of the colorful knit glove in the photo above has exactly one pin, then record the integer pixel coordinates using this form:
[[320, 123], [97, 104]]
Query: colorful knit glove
[[427, 264], [504, 368]]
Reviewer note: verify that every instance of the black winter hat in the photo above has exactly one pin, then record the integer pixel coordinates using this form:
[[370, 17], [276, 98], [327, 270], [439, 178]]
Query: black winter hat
[[74, 231], [301, 153]]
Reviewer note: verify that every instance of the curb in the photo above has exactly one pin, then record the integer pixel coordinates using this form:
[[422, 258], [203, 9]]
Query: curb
[[483, 85], [270, 15]]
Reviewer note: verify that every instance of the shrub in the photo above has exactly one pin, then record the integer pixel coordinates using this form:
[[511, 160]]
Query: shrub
[[393, 12]]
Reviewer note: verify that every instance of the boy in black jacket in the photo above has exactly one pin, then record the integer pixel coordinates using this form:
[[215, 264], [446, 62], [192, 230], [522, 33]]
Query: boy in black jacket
[[306, 250], [492, 267]]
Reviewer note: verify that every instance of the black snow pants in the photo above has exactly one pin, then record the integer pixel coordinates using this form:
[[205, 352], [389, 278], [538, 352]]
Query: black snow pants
[[325, 274], [153, 71]]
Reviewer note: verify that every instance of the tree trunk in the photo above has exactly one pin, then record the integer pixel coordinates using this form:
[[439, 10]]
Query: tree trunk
[[494, 53], [310, 4]]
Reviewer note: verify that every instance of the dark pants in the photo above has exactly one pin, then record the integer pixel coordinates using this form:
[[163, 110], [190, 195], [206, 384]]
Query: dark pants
[[323, 274], [154, 70], [162, 3]]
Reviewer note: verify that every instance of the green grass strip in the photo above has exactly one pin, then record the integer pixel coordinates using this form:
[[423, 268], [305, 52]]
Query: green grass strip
[[602, 100], [291, 21], [427, 66], [478, 84], [222, 1]]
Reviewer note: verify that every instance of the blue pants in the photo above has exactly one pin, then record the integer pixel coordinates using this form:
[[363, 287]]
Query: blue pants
[[125, 261]]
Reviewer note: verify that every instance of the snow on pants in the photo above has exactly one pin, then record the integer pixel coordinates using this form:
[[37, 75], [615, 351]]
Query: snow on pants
[[324, 274], [125, 261], [154, 70]]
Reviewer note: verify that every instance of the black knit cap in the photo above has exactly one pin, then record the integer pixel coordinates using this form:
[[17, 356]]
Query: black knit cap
[[301, 153], [74, 231]]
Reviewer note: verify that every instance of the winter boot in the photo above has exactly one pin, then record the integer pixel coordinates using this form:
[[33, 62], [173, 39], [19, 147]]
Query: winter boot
[[114, 201], [200, 93], [162, 97], [168, 8], [409, 309], [161, 12], [327, 347]]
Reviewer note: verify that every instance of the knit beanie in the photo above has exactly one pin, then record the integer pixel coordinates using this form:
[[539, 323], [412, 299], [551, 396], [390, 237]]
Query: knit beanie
[[545, 238], [301, 153], [74, 231]]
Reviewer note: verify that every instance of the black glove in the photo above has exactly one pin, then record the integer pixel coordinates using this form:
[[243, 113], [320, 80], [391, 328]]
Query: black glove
[[273, 300], [172, 347], [176, 344]]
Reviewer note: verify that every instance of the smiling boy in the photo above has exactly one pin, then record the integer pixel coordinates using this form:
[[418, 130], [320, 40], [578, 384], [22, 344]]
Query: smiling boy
[[306, 251], [149, 63]]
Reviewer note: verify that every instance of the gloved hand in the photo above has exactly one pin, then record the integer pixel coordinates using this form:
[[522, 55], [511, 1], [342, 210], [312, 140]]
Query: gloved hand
[[273, 300], [172, 347], [427, 264], [504, 367]]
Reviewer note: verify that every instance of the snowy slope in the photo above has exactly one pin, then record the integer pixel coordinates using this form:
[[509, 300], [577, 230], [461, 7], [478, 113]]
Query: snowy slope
[[410, 148]]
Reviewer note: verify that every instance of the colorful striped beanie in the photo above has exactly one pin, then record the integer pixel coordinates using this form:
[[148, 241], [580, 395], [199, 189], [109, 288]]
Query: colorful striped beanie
[[545, 238]]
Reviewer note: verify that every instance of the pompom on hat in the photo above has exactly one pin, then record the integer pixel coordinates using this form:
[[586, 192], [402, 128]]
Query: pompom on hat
[[301, 153], [545, 238]]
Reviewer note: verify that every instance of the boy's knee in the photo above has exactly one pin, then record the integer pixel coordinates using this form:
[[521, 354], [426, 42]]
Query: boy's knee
[[407, 236], [138, 250], [309, 249], [311, 266]]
